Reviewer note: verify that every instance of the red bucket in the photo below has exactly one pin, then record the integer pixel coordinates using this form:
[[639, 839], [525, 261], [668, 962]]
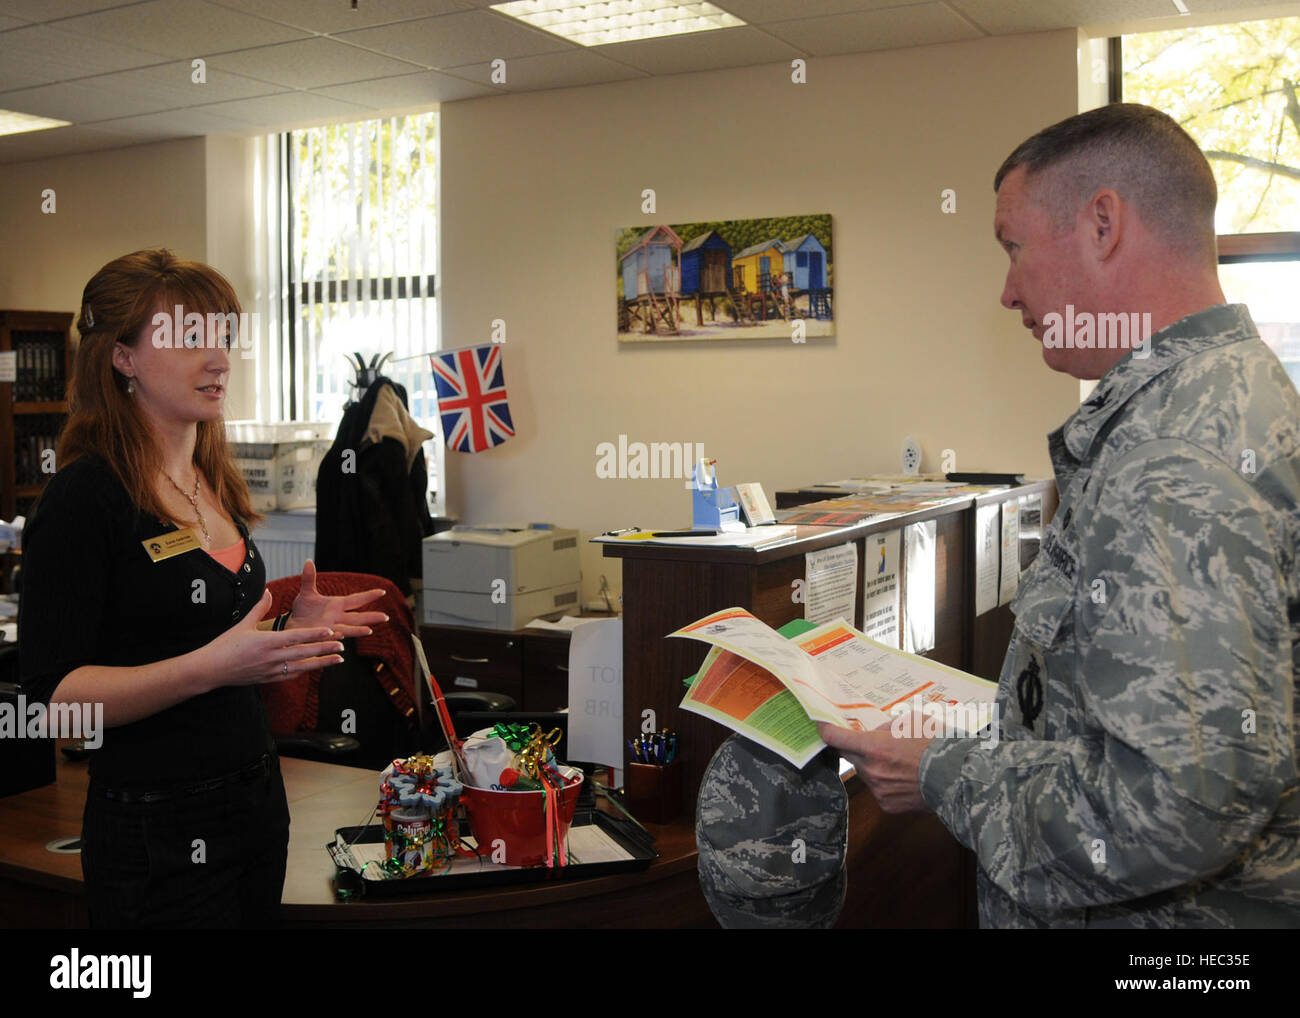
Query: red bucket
[[516, 821]]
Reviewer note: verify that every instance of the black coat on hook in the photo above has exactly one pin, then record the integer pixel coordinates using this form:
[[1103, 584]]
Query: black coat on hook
[[371, 513]]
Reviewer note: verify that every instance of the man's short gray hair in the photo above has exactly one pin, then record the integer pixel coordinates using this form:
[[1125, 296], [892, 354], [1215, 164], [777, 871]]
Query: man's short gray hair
[[1139, 152]]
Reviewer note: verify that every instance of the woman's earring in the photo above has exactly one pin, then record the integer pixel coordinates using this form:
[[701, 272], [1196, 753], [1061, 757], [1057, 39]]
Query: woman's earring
[[130, 386]]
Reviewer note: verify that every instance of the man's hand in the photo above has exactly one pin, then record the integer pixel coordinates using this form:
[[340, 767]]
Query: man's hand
[[888, 765], [312, 609]]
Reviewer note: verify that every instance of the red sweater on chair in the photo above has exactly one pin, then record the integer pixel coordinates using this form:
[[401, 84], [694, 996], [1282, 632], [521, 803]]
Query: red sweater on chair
[[294, 703]]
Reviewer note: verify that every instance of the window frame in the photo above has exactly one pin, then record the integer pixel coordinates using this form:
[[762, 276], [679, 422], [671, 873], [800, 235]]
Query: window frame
[[1233, 248], [294, 405]]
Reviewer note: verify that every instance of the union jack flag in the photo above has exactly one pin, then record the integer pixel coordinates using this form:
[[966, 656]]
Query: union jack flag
[[472, 397]]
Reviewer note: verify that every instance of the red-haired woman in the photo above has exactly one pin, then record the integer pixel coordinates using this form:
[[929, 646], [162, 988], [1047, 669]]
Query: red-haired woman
[[186, 821]]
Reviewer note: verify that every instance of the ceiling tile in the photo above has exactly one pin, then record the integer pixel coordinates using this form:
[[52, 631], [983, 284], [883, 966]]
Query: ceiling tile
[[458, 39], [49, 10], [553, 70], [173, 123], [180, 28], [1203, 12], [7, 22], [310, 63], [407, 90], [921, 25], [173, 81], [276, 112], [315, 16], [1007, 16], [703, 51], [760, 11], [39, 55], [71, 100]]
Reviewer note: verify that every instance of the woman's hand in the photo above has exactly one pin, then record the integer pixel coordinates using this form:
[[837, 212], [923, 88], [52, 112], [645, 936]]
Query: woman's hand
[[312, 609], [244, 655]]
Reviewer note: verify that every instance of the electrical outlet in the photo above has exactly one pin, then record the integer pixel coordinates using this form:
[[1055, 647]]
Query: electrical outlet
[[911, 456]]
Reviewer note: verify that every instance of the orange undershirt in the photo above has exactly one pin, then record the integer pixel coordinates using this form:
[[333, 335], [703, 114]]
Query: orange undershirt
[[232, 558]]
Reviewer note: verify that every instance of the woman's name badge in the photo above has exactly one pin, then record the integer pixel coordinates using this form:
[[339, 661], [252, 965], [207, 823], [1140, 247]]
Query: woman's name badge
[[176, 542]]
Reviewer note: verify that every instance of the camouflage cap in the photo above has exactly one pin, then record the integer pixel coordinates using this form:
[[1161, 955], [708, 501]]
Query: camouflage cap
[[772, 838]]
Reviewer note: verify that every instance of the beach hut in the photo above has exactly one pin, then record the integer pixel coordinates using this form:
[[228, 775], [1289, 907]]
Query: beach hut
[[805, 263], [706, 265], [756, 264], [650, 265]]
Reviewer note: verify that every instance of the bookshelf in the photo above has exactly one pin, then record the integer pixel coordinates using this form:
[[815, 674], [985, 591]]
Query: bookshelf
[[33, 402]]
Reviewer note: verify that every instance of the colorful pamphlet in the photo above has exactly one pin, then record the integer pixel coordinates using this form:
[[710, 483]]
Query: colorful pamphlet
[[773, 690]]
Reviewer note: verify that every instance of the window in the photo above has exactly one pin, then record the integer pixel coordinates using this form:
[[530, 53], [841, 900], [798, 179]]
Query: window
[[350, 216], [1236, 90], [1269, 289]]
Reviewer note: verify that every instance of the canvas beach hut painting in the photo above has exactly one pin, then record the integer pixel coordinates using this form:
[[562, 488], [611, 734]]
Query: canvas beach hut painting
[[730, 279]]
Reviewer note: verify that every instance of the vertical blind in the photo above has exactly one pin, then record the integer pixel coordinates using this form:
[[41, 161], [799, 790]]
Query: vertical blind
[[350, 266]]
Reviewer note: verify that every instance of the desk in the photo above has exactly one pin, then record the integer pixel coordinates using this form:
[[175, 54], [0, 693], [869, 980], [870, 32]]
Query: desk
[[666, 587], [901, 871], [531, 666]]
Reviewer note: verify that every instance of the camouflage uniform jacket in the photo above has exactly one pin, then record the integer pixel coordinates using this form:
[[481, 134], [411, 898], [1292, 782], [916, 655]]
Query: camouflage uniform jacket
[[1146, 771]]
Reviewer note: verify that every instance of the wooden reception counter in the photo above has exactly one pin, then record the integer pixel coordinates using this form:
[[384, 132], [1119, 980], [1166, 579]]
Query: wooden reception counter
[[668, 586]]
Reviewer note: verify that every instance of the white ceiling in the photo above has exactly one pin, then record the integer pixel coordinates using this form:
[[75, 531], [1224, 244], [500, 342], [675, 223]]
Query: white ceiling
[[121, 71]]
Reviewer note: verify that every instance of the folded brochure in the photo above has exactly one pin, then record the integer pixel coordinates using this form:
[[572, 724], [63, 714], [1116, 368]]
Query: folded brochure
[[773, 690]]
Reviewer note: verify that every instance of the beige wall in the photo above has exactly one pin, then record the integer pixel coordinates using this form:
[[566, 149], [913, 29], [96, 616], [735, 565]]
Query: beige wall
[[231, 182], [108, 203], [190, 195], [534, 187]]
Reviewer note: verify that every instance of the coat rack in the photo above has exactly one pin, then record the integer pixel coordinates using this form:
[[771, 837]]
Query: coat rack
[[366, 374]]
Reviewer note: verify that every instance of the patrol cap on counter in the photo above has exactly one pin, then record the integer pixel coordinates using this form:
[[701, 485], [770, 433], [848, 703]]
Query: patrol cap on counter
[[772, 838]]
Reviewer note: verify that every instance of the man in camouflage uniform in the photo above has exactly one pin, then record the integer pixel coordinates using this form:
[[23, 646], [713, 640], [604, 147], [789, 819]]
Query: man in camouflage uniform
[[1146, 771]]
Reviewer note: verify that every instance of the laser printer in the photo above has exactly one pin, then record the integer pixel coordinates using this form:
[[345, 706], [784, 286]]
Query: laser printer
[[499, 576]]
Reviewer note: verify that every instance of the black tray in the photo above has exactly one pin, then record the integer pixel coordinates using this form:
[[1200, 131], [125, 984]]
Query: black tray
[[628, 836]]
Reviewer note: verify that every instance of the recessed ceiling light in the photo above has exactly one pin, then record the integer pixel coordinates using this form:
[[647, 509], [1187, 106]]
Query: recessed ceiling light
[[598, 24], [20, 123]]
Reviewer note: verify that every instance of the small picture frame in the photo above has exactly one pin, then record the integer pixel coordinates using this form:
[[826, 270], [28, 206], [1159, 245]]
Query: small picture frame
[[754, 504]]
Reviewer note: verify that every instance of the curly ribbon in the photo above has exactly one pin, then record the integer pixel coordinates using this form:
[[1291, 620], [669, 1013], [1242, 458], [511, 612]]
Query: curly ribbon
[[535, 769], [534, 752], [556, 847]]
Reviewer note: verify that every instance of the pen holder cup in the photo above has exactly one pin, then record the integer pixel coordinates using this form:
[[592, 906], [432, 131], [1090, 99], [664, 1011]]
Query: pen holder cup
[[654, 792], [516, 821]]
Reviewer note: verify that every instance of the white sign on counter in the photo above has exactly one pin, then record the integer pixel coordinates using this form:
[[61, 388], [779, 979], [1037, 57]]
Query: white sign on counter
[[880, 588], [831, 584], [596, 694], [988, 533], [918, 609]]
